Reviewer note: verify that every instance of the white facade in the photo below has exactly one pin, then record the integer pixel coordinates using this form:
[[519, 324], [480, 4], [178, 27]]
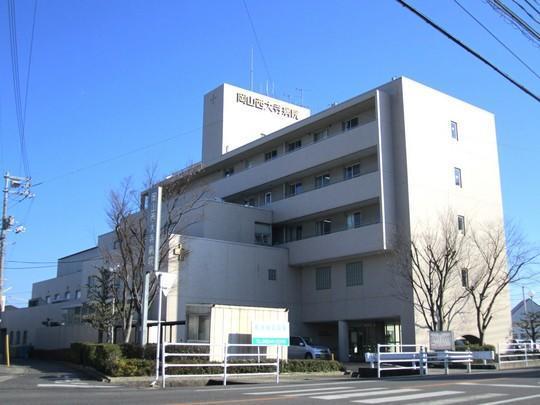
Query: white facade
[[306, 216]]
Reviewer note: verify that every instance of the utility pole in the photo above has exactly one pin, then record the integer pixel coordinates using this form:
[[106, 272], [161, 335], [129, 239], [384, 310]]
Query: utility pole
[[12, 185]]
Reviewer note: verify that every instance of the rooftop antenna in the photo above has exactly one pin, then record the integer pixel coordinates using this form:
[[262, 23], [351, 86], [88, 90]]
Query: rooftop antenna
[[251, 70], [301, 91]]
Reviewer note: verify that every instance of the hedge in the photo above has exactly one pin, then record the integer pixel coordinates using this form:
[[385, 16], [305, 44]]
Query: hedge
[[130, 360]]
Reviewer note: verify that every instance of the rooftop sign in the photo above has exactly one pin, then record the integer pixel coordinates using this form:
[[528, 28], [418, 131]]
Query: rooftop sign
[[267, 105]]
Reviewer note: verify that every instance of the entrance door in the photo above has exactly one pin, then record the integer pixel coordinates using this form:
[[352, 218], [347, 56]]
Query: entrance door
[[356, 344]]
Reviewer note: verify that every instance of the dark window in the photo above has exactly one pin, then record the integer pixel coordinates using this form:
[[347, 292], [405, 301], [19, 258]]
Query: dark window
[[354, 220], [18, 337], [324, 227], [352, 171], [323, 278], [454, 130], [228, 172], [294, 233], [78, 294], [268, 198], [320, 135], [24, 337], [349, 124], [322, 180], [461, 223], [464, 277], [263, 233], [295, 341], [354, 274], [272, 274], [292, 146], [457, 176], [294, 189], [67, 295], [270, 155]]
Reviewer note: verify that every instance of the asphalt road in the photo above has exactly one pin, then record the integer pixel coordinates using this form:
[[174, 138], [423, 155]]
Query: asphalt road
[[50, 384]]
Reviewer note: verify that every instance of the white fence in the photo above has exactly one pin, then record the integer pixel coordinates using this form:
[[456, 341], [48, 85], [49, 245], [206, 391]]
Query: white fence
[[231, 359], [448, 357], [404, 357], [515, 353]]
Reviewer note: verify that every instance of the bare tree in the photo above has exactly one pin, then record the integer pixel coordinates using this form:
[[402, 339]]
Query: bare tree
[[99, 308], [530, 323], [498, 260], [430, 263], [181, 201]]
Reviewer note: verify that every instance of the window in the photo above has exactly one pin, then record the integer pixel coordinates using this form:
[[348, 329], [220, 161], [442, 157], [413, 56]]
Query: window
[[323, 278], [270, 155], [349, 124], [272, 274], [228, 172], [457, 176], [464, 278], [295, 188], [354, 274], [248, 164], [454, 130], [116, 244], [56, 297], [322, 180], [199, 327], [294, 233], [67, 295], [263, 233], [461, 223], [48, 299], [18, 337], [292, 146], [354, 220], [78, 294], [250, 202], [320, 135], [11, 337], [352, 171], [268, 198], [24, 337], [324, 227]]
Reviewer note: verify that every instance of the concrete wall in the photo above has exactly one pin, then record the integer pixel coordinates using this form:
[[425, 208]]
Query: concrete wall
[[234, 117], [74, 263], [228, 273]]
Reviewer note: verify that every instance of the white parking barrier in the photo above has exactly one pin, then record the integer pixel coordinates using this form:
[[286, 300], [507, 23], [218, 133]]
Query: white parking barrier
[[398, 357], [207, 352]]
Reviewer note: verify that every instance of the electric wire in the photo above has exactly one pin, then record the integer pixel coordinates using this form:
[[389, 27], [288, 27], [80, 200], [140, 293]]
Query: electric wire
[[29, 69], [497, 39], [257, 41], [468, 49], [16, 84], [515, 20], [532, 6], [532, 17]]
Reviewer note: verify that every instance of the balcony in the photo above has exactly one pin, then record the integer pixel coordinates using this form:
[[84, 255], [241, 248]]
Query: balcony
[[340, 194], [352, 242], [335, 147]]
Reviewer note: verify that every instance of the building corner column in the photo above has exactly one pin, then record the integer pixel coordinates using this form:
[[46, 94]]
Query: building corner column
[[343, 341]]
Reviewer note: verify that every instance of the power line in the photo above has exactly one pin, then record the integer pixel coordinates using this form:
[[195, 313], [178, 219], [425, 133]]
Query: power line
[[468, 49], [16, 84], [257, 41], [497, 39], [532, 17], [532, 6], [29, 69], [515, 20]]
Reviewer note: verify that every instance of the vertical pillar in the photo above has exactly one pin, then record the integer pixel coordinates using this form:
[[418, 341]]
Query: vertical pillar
[[343, 341]]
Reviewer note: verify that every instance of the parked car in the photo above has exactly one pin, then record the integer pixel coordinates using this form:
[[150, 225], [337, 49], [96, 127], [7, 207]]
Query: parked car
[[303, 348]]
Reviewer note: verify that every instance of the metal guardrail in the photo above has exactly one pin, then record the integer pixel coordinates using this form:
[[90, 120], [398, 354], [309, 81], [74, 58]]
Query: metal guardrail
[[393, 357], [226, 363], [448, 357], [512, 353]]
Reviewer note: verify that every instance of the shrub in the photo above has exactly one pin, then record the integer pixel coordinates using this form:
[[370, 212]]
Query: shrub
[[133, 367], [481, 348], [107, 355], [133, 351], [310, 366]]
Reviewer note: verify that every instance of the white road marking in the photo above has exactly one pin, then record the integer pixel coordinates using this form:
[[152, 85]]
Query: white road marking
[[468, 398], [505, 401], [265, 387], [501, 385], [365, 394], [313, 390], [348, 390], [75, 386], [407, 397]]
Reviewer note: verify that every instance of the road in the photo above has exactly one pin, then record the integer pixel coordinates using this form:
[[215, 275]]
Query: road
[[50, 384]]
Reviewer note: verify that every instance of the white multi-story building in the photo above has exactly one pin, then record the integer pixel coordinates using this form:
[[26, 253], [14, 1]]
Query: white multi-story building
[[303, 212]]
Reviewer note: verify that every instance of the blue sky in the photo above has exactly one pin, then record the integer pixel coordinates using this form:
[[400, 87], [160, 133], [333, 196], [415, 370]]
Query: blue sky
[[117, 86]]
